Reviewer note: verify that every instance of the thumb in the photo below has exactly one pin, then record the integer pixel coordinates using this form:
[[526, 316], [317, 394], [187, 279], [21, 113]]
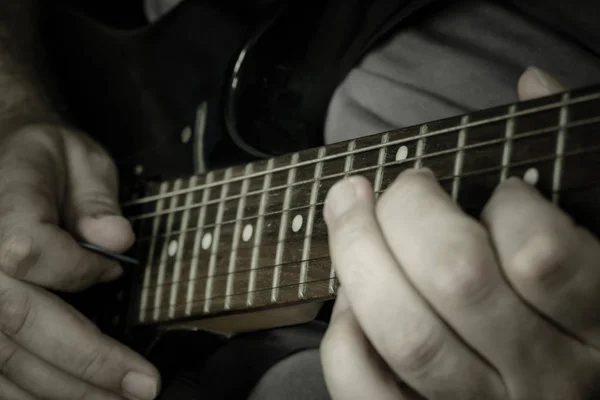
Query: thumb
[[92, 211], [535, 83]]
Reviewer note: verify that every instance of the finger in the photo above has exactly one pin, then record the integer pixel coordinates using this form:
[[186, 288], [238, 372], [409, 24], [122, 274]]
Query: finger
[[535, 83], [552, 263], [411, 339], [351, 367], [447, 256], [40, 323], [91, 204], [32, 246], [10, 391], [42, 379]]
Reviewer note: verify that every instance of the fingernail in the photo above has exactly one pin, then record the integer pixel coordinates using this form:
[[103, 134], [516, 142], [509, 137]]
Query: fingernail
[[341, 198], [546, 81], [138, 386]]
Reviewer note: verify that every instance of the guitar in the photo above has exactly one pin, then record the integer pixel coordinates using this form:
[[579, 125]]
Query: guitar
[[251, 237], [219, 247]]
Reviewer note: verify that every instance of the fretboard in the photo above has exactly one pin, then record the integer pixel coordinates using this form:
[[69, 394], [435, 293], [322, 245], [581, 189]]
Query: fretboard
[[253, 236]]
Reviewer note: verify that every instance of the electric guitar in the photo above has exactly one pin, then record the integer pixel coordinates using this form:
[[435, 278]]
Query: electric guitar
[[251, 237], [219, 248]]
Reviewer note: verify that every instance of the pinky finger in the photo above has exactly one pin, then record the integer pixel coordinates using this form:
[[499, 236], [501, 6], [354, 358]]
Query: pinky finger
[[10, 391], [351, 366]]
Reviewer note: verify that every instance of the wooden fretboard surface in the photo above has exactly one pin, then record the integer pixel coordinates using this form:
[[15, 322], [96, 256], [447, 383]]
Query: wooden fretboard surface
[[253, 235]]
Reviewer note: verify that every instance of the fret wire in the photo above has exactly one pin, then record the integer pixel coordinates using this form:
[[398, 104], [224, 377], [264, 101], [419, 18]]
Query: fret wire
[[385, 138], [468, 174], [283, 227], [236, 237], [423, 156], [459, 158], [182, 236], [148, 269], [258, 235], [309, 224], [164, 253], [349, 162], [197, 245], [530, 111], [421, 143], [272, 266], [212, 264], [560, 148], [508, 135], [488, 170], [260, 268]]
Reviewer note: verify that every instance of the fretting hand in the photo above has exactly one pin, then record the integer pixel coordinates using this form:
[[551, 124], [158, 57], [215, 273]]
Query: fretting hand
[[502, 308]]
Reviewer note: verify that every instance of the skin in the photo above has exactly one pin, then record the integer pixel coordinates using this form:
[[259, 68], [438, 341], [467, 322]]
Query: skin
[[457, 308]]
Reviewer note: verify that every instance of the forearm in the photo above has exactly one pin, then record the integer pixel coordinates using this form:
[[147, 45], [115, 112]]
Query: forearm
[[24, 93]]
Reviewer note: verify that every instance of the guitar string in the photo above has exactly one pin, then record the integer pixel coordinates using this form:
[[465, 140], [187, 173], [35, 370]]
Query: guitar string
[[148, 310], [375, 166], [481, 171], [285, 265], [502, 118], [227, 273], [187, 260]]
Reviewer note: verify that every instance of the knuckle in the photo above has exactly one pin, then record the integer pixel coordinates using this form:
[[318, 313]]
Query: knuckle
[[465, 276], [415, 354], [100, 159], [16, 248], [8, 350], [543, 260], [96, 197], [101, 361], [352, 229], [47, 136], [93, 362], [410, 184], [15, 308]]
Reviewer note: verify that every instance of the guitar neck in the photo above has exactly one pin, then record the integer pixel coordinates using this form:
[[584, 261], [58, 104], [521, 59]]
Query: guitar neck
[[253, 236]]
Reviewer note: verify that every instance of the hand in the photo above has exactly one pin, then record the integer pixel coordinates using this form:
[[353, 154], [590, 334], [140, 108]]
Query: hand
[[505, 308], [58, 186], [49, 351]]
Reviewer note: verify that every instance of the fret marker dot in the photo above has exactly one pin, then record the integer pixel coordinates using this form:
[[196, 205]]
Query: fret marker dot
[[206, 241], [297, 223], [247, 233], [173, 246], [402, 153], [532, 176]]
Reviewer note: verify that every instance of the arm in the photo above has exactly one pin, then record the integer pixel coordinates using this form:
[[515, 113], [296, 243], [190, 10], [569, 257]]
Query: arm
[[23, 79]]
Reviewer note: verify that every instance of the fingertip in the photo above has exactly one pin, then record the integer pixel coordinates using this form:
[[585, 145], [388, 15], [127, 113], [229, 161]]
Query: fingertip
[[140, 386], [344, 194], [113, 232], [535, 83]]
